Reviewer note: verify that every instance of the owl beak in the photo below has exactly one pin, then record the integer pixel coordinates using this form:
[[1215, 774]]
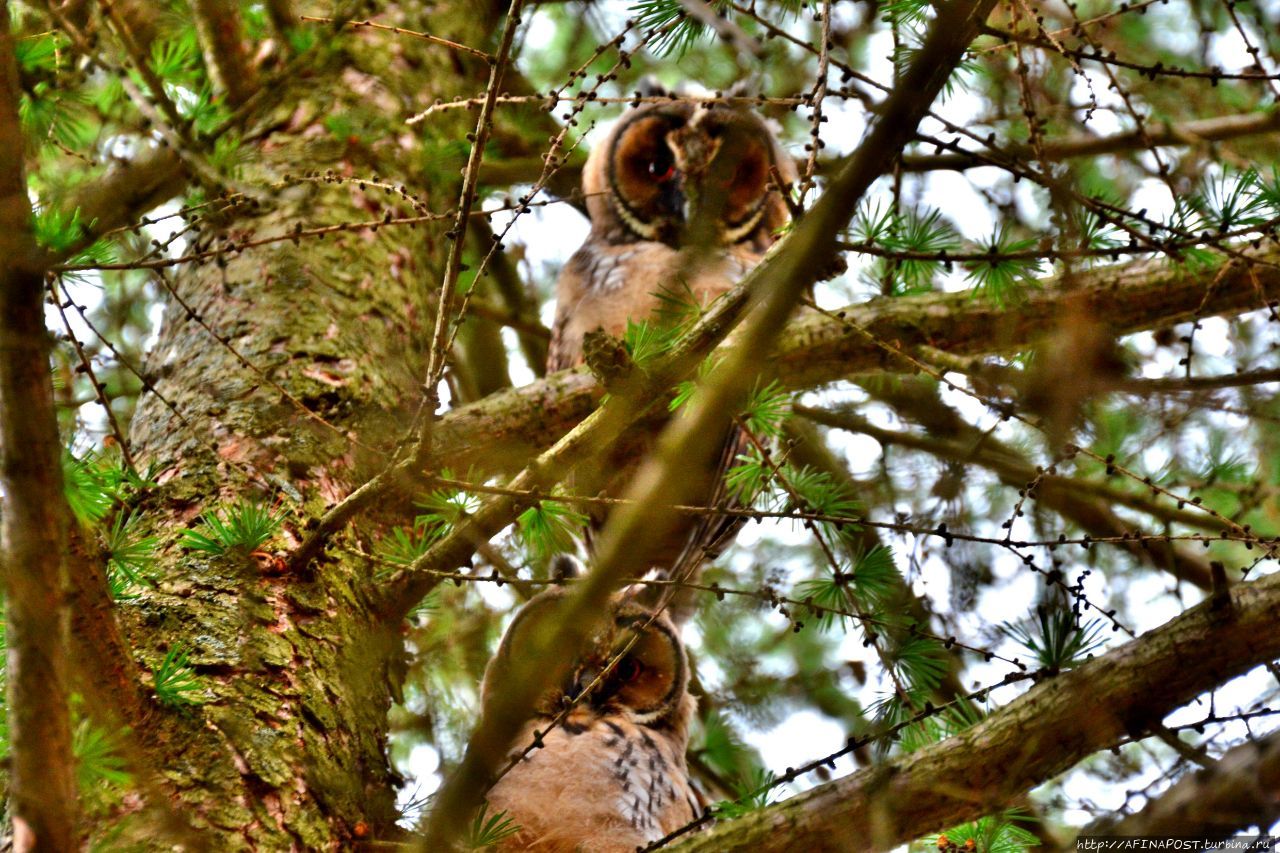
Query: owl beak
[[672, 200], [584, 679]]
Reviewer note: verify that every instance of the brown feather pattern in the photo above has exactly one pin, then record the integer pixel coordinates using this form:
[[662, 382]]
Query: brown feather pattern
[[681, 205]]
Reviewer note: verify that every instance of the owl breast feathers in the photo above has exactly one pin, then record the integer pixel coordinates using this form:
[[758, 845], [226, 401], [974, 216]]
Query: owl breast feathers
[[612, 776]]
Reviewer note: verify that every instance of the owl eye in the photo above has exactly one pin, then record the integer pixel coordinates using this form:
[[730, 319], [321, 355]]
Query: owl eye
[[661, 166], [628, 670]]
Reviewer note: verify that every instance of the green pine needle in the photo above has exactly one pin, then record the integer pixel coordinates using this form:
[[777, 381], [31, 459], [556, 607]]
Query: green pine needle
[[206, 112], [1056, 637], [767, 409], [685, 390], [131, 558], [906, 13], [921, 662], [444, 508], [678, 307], [39, 54], [175, 60], [859, 589], [57, 230], [549, 527], [755, 790], [240, 529], [93, 485], [673, 31], [822, 494], [1230, 200], [1003, 279], [489, 829], [749, 479], [992, 834], [402, 546], [828, 592], [1268, 193], [97, 756], [922, 230], [962, 714], [646, 341], [875, 575], [176, 683]]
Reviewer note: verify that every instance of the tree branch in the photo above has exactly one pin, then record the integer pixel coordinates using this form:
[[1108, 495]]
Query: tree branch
[[1087, 504], [33, 524], [1198, 132], [817, 349], [220, 31], [1032, 739]]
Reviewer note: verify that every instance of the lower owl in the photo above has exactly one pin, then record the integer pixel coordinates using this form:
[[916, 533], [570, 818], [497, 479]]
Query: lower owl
[[612, 776]]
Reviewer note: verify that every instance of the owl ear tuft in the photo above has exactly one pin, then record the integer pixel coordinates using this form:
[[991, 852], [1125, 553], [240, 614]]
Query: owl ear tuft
[[649, 87], [566, 567], [650, 594], [747, 87]]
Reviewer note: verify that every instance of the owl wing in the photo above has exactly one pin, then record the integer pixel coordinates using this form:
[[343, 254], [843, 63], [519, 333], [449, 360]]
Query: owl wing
[[711, 533], [604, 286]]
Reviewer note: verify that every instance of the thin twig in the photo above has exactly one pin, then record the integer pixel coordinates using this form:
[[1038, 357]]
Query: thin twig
[[452, 45]]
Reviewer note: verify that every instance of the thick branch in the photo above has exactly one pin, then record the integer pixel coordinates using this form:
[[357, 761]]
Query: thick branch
[[219, 29], [34, 515], [1032, 739], [817, 349]]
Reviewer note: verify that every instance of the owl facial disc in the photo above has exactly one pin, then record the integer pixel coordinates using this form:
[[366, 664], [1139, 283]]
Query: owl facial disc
[[690, 173]]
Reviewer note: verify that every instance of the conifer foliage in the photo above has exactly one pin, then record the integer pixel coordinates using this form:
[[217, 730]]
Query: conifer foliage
[[279, 455]]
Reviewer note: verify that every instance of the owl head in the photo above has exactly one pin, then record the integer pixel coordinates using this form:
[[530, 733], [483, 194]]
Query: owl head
[[687, 172], [648, 685]]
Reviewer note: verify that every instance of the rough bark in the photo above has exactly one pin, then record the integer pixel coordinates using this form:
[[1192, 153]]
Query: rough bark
[[1029, 741], [287, 749]]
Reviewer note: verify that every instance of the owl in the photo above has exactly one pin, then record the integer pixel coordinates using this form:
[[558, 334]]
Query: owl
[[683, 201], [612, 776]]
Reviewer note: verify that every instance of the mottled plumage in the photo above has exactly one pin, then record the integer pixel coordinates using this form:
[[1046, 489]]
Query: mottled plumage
[[679, 193], [682, 203], [612, 776]]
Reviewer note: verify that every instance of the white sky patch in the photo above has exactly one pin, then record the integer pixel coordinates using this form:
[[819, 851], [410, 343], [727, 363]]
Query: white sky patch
[[1231, 52], [799, 738], [421, 769], [517, 368], [963, 205]]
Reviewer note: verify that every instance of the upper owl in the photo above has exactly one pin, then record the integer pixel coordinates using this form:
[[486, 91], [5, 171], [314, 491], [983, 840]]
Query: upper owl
[[682, 199], [682, 171]]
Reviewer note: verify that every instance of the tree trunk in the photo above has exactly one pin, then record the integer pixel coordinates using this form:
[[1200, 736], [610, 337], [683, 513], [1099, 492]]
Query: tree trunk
[[288, 748]]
